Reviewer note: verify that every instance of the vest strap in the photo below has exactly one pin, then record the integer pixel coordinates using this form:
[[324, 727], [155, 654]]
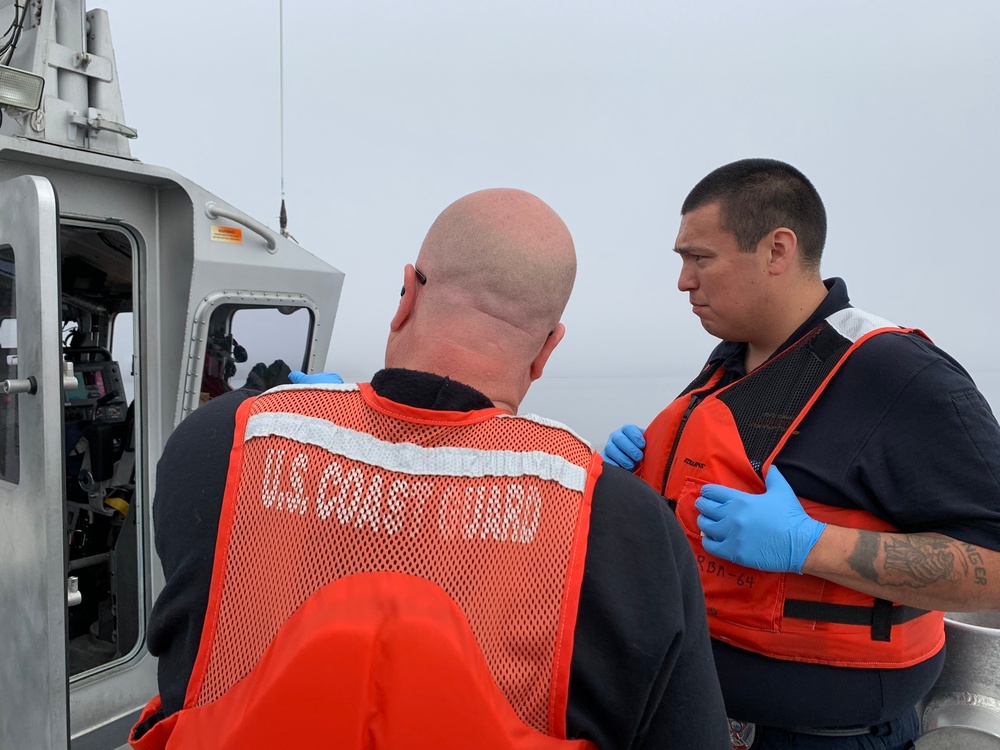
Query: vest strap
[[880, 617]]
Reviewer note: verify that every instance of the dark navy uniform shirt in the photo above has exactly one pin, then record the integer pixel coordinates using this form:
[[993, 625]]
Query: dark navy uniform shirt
[[642, 674], [902, 432]]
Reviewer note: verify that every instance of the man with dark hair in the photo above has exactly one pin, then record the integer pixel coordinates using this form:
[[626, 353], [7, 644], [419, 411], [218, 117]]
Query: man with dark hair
[[825, 582], [409, 563], [757, 195]]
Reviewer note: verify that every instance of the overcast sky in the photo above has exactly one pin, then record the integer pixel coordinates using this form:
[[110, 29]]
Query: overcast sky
[[610, 112]]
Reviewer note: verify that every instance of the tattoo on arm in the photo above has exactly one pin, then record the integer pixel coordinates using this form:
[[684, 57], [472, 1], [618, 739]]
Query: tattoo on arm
[[978, 566], [862, 559], [920, 560], [915, 560]]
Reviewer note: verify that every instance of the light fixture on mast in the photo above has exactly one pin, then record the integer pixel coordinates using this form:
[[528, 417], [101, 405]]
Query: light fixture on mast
[[20, 89]]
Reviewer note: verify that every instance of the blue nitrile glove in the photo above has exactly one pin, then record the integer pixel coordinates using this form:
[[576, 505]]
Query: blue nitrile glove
[[300, 378], [767, 532], [625, 447]]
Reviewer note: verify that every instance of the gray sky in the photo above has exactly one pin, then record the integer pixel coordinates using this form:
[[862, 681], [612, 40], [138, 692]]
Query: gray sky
[[609, 111]]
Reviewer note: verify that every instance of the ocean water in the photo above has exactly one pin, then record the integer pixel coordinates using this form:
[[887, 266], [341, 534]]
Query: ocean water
[[594, 407]]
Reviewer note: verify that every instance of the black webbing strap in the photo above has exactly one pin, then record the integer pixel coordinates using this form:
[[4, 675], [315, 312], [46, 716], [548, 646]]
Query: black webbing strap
[[880, 618]]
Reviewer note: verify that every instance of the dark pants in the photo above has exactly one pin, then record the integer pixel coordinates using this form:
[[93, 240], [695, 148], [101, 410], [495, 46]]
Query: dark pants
[[899, 734]]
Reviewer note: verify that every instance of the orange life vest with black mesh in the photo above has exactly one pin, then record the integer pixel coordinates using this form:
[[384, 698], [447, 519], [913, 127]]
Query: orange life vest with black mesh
[[730, 436], [389, 577]]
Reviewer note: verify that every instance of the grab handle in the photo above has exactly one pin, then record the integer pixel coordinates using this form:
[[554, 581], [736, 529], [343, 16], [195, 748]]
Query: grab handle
[[214, 211]]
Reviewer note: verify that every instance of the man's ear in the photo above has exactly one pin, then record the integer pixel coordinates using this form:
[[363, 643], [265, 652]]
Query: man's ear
[[553, 339], [407, 299], [783, 246]]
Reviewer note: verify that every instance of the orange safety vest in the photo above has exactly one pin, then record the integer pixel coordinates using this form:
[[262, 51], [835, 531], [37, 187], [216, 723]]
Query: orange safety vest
[[387, 576], [730, 436]]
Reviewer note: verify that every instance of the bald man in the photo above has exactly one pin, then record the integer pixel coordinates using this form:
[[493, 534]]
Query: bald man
[[409, 563]]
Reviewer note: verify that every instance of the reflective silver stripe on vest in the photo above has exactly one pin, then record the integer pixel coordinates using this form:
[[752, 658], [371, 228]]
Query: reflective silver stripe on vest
[[408, 458], [852, 323]]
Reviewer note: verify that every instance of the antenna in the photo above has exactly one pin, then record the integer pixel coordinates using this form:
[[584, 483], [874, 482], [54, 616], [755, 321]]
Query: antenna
[[283, 215]]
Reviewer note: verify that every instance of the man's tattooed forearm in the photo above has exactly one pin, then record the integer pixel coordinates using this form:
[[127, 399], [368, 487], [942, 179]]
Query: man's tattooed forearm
[[915, 560]]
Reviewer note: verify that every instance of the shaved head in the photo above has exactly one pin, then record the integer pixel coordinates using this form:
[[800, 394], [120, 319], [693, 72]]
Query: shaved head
[[499, 266], [505, 253]]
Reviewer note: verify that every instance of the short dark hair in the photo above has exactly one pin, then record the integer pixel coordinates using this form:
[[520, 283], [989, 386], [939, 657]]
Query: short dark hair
[[757, 196]]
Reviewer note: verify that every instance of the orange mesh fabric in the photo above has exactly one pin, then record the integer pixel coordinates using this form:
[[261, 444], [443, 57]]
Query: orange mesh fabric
[[406, 672], [339, 482]]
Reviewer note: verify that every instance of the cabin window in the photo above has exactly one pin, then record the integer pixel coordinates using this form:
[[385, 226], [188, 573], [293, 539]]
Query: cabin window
[[254, 347], [122, 350]]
